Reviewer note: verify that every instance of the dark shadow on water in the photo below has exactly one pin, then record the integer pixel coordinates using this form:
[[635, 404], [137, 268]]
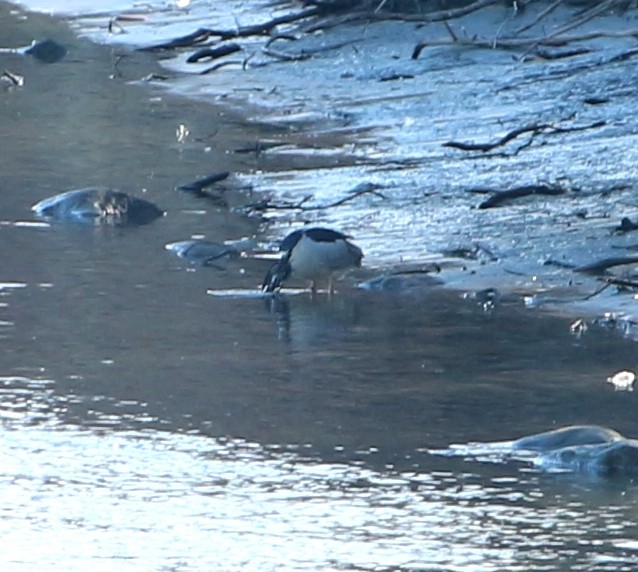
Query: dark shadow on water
[[359, 376], [129, 338]]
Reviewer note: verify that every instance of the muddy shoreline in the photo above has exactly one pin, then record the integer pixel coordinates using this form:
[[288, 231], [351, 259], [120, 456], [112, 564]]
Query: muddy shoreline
[[360, 109]]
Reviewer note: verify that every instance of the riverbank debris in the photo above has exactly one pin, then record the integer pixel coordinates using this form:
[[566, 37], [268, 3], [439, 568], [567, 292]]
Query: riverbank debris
[[534, 130], [500, 198]]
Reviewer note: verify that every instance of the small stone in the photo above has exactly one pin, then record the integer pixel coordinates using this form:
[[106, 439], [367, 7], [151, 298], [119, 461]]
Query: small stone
[[623, 380]]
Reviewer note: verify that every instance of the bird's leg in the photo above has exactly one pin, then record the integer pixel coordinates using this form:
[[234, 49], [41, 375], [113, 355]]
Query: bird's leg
[[331, 288], [313, 287]]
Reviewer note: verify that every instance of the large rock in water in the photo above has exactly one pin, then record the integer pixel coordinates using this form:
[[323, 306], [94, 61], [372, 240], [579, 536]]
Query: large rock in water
[[619, 458], [570, 436], [581, 449], [584, 448], [47, 51], [98, 206]]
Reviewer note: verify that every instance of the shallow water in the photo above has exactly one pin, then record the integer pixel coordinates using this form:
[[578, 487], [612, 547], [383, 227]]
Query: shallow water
[[148, 424], [81, 499]]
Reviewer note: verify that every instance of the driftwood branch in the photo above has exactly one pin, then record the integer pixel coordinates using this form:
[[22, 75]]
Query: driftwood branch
[[626, 225], [204, 34], [304, 54], [600, 266], [454, 13], [196, 188], [359, 190], [535, 129], [542, 14], [501, 197], [376, 16], [220, 65], [561, 54], [199, 184], [598, 290], [484, 147], [622, 283], [576, 22], [521, 43], [583, 18], [213, 53]]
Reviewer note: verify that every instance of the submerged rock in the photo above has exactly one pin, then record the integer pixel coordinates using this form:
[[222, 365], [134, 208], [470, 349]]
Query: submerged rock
[[586, 449], [98, 206], [623, 380], [415, 280], [618, 458], [568, 437], [401, 283], [203, 252], [47, 51]]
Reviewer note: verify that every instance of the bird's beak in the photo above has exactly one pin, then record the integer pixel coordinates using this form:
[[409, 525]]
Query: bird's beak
[[278, 272]]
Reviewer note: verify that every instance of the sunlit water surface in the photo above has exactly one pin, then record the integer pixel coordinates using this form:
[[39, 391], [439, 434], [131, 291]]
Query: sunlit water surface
[[78, 500], [148, 425]]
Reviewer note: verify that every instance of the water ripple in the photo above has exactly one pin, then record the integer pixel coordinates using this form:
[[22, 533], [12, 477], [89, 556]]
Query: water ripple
[[162, 501]]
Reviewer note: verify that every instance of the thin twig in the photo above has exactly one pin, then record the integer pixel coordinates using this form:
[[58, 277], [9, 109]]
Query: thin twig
[[519, 43], [438, 16], [586, 17], [597, 291], [484, 147], [601, 266], [539, 17], [622, 282], [220, 65], [450, 31], [534, 129], [359, 190], [262, 29]]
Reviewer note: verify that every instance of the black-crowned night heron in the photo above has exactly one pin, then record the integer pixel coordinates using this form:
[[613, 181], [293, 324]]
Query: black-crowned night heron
[[313, 254], [98, 206]]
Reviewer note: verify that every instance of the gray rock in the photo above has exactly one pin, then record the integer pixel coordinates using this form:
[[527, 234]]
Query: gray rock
[[97, 206]]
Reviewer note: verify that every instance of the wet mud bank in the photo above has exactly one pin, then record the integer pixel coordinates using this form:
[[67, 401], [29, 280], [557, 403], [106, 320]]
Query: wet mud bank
[[501, 144]]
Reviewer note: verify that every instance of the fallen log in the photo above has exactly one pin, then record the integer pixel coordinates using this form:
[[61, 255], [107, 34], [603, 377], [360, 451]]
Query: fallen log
[[501, 197]]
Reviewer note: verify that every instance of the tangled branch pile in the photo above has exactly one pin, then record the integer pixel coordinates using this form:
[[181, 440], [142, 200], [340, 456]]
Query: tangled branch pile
[[524, 28]]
